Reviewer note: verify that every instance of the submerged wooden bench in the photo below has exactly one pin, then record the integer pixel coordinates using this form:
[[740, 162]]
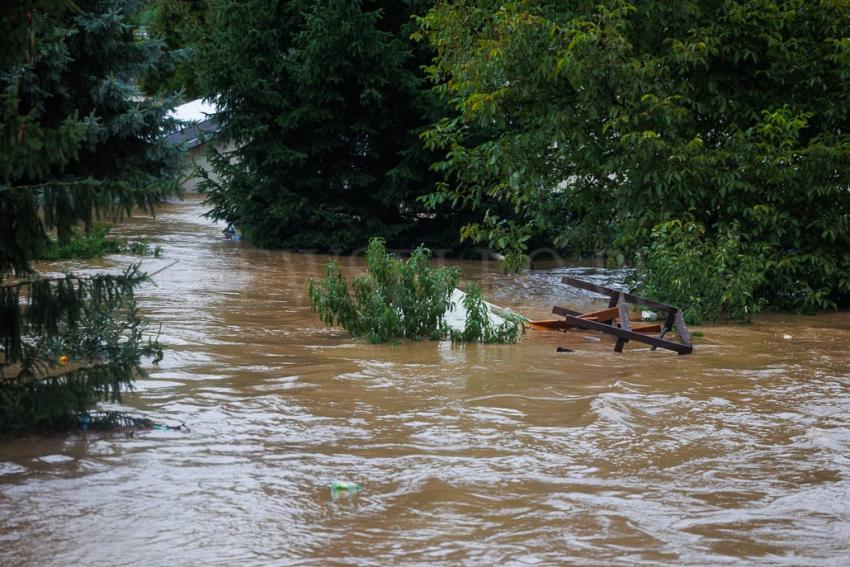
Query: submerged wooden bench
[[615, 319]]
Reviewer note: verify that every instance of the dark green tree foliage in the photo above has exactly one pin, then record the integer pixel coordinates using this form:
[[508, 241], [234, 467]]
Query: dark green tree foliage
[[75, 143], [615, 116], [322, 102], [709, 275], [181, 25]]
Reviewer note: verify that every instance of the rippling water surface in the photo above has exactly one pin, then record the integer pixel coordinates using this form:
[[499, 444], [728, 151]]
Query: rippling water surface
[[508, 455]]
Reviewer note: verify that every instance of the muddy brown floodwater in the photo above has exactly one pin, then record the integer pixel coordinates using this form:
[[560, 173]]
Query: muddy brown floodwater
[[487, 455]]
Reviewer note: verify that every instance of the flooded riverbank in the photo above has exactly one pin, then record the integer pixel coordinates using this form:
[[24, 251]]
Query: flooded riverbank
[[507, 454]]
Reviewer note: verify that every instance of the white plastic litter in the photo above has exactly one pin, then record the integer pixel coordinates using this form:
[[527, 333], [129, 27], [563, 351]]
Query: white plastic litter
[[455, 317]]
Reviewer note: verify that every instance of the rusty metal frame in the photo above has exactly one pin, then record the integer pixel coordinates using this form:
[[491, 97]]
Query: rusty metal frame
[[623, 331]]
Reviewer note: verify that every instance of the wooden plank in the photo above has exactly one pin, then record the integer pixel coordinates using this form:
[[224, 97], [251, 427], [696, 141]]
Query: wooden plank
[[653, 328], [668, 323], [631, 335], [554, 325], [602, 316], [671, 320], [623, 313], [621, 342], [625, 323], [619, 300], [682, 328], [602, 290], [561, 325], [564, 311]]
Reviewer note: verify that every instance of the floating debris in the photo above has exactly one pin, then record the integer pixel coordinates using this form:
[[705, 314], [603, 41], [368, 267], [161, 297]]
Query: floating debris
[[615, 320], [345, 486]]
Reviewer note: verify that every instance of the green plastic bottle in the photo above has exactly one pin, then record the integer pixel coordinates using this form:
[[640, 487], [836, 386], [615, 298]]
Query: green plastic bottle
[[345, 486]]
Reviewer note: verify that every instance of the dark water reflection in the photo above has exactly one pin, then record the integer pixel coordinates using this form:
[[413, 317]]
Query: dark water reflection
[[506, 455]]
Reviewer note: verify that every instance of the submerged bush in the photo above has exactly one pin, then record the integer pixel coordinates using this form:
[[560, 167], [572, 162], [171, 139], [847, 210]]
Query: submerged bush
[[709, 278], [96, 243], [479, 327], [401, 299]]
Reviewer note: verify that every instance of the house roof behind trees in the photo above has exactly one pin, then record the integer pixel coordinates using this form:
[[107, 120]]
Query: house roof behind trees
[[199, 121]]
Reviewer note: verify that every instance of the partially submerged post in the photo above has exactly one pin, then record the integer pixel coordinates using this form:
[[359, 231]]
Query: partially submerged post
[[615, 319]]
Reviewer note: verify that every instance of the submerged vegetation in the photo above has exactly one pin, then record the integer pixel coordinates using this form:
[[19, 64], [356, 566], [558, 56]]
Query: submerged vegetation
[[709, 277], [395, 299], [95, 244], [480, 328], [402, 299]]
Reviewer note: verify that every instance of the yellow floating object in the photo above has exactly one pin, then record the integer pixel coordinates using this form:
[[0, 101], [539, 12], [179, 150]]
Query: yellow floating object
[[63, 360]]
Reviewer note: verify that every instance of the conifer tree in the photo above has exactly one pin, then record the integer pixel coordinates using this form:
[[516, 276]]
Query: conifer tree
[[180, 24], [76, 142], [322, 102]]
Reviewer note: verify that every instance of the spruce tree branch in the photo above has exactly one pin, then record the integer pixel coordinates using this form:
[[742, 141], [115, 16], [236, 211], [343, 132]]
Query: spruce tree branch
[[67, 371], [24, 283], [89, 182], [141, 276]]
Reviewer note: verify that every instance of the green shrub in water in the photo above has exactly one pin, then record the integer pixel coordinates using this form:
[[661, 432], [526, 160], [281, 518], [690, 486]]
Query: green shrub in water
[[399, 299], [709, 278], [479, 327], [96, 243]]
